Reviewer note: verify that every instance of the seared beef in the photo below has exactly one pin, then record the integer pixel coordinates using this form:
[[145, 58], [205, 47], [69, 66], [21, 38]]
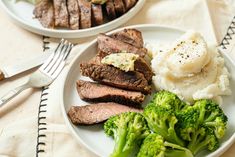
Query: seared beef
[[61, 13], [130, 36], [112, 76], [142, 67], [119, 7], [85, 12], [109, 45], [97, 14], [110, 9], [91, 91], [96, 113], [129, 3], [73, 10], [44, 11]]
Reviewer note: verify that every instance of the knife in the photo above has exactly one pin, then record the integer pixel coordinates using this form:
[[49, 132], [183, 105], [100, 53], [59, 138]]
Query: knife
[[18, 68]]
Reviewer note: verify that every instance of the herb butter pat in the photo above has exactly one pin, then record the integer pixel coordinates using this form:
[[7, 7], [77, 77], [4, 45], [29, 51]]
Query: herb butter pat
[[124, 61]]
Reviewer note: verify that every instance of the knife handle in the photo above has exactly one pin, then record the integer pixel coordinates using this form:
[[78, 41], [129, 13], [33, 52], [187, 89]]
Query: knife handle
[[2, 77]]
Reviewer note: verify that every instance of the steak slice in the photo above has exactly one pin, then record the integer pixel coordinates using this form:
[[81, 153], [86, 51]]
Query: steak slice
[[96, 113], [119, 7], [110, 9], [109, 45], [61, 13], [91, 91], [112, 76], [73, 10], [129, 3], [97, 14], [85, 12], [44, 11], [142, 67], [130, 36]]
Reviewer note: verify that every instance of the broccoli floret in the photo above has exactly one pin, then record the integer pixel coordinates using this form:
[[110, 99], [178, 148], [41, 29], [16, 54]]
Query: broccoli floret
[[211, 115], [155, 146], [202, 125], [128, 130], [162, 120], [166, 98]]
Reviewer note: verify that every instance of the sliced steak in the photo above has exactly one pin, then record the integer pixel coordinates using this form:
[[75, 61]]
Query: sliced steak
[[73, 10], [119, 7], [61, 13], [91, 91], [112, 76], [97, 14], [109, 45], [44, 11], [85, 12], [96, 113], [110, 9], [130, 36], [129, 3], [142, 66]]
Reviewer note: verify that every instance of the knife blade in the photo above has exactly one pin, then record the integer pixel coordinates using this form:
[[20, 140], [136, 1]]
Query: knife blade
[[20, 67]]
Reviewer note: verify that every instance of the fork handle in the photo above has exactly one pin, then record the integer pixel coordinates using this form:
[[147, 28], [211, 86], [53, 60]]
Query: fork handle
[[12, 93]]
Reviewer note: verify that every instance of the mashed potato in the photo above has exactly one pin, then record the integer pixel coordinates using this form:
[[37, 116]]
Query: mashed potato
[[191, 69]]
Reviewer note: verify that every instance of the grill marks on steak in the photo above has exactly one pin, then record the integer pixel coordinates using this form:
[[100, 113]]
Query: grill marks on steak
[[109, 45], [96, 113], [112, 76], [61, 13], [73, 10], [44, 11], [85, 11], [97, 14], [91, 91], [130, 36]]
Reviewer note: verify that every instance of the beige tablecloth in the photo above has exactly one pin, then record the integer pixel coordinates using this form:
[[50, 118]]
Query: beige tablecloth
[[32, 124]]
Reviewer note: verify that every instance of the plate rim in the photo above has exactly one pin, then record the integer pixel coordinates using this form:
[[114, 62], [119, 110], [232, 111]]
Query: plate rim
[[216, 153], [74, 33]]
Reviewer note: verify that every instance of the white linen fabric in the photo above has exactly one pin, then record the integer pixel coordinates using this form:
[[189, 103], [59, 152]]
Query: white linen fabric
[[32, 123]]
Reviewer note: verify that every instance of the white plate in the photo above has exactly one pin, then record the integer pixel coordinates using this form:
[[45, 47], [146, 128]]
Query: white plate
[[22, 14], [93, 137]]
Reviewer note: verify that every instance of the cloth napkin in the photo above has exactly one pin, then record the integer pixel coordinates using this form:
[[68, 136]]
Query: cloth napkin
[[32, 123]]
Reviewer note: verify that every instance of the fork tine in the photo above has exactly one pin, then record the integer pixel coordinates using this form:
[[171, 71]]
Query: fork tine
[[56, 57], [59, 60], [61, 65], [46, 63]]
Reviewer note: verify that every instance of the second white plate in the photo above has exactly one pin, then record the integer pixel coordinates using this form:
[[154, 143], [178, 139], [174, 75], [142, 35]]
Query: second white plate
[[22, 14]]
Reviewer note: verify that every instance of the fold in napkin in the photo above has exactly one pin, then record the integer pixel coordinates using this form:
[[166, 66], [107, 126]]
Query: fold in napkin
[[30, 127]]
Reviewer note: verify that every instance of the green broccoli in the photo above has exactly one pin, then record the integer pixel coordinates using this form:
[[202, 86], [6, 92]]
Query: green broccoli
[[166, 98], [155, 146], [128, 130], [202, 125], [162, 120]]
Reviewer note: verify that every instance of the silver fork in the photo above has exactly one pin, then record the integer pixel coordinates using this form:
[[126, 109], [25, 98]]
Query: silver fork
[[46, 74]]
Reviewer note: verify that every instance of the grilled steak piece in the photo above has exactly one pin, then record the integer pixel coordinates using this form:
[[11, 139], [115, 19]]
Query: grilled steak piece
[[44, 11], [73, 10], [119, 7], [142, 67], [61, 13], [109, 45], [110, 9], [85, 12], [97, 14], [91, 91], [129, 3], [112, 76], [130, 36], [96, 113]]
